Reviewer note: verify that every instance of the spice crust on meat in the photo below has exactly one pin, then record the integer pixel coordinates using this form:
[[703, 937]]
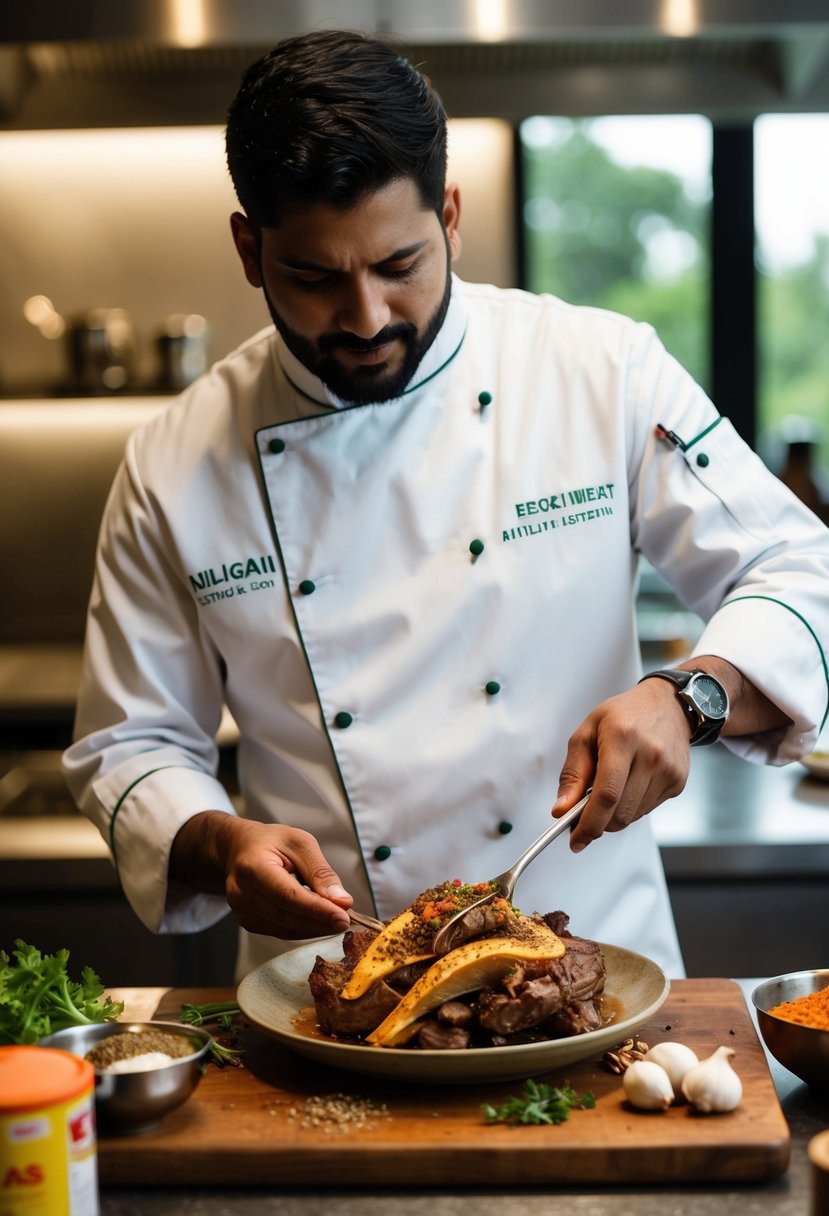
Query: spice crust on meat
[[520, 979]]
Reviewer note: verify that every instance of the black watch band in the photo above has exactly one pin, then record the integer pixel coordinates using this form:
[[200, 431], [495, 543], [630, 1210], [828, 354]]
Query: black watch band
[[705, 727]]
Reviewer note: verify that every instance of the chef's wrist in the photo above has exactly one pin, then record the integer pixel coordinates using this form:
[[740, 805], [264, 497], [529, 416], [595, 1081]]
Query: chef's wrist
[[200, 849]]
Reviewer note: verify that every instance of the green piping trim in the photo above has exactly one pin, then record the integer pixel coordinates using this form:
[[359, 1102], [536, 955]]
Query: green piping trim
[[290, 599], [702, 434], [771, 600], [122, 799], [344, 409]]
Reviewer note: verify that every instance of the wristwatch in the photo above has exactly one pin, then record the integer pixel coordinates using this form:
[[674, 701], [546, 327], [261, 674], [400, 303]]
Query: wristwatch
[[703, 699]]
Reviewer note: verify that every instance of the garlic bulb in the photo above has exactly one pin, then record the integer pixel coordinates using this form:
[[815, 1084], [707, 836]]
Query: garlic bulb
[[676, 1059], [647, 1086], [713, 1085]]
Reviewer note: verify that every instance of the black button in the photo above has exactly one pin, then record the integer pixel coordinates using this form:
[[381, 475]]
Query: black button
[[343, 719], [485, 398], [492, 688], [382, 852], [307, 586], [505, 827], [476, 547], [276, 445]]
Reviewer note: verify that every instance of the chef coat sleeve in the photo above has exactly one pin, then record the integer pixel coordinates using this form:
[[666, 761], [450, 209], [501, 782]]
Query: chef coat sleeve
[[737, 546], [144, 758]]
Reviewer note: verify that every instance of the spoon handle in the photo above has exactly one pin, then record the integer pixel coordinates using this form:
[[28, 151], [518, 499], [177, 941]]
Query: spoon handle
[[570, 817]]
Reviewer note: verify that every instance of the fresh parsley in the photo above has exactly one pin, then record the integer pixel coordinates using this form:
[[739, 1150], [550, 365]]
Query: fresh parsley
[[541, 1103], [38, 997]]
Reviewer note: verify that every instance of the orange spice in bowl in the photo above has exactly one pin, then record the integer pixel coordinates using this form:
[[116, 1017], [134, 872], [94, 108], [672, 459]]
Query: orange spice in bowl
[[812, 1010]]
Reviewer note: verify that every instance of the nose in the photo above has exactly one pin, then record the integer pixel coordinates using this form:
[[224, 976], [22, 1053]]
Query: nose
[[363, 309]]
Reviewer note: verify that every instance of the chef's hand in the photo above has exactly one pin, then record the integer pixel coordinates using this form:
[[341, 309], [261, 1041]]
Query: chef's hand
[[635, 749], [275, 878]]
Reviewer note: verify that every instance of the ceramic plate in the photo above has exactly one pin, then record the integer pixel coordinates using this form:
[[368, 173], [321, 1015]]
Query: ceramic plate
[[276, 998], [818, 764]]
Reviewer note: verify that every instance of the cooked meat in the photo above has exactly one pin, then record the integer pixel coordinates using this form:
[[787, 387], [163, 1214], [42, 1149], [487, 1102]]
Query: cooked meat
[[339, 1017], [455, 1013], [535, 991], [356, 942], [439, 1036], [477, 922], [577, 1018]]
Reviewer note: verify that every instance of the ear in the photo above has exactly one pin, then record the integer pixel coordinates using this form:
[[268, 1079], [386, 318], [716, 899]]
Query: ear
[[244, 238], [451, 218]]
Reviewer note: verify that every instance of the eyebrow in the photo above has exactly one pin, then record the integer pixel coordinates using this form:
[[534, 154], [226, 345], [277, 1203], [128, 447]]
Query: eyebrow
[[399, 255]]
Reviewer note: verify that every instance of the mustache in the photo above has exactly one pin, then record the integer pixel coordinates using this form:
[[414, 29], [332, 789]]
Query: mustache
[[351, 342]]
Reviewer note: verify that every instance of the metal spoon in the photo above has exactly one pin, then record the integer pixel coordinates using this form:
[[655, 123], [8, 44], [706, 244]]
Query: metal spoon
[[505, 883], [367, 922]]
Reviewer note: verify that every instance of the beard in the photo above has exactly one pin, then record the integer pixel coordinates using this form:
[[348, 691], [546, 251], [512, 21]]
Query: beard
[[371, 384]]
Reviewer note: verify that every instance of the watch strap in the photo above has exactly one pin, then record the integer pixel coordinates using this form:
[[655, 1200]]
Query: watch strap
[[703, 730]]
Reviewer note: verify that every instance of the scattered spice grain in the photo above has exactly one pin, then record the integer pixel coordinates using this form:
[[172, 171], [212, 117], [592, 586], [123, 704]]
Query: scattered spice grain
[[810, 1010], [340, 1113]]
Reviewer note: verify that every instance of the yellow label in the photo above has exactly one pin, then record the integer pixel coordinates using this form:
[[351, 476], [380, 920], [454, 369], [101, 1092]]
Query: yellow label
[[48, 1163]]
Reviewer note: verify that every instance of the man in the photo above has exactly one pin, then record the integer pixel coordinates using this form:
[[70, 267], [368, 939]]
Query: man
[[397, 534]]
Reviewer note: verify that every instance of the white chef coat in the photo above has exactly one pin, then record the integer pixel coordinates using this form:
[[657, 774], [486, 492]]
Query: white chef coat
[[403, 698]]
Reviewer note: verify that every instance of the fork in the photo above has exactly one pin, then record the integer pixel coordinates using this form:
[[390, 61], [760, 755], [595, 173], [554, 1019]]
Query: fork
[[504, 885]]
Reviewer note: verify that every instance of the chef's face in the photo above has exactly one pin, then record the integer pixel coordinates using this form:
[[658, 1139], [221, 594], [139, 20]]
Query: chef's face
[[358, 295]]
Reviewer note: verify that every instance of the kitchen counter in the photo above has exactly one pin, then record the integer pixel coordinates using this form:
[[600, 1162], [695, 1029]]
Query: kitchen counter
[[806, 1112]]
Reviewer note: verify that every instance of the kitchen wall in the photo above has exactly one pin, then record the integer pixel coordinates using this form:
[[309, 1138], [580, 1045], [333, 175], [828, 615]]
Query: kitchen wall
[[138, 219]]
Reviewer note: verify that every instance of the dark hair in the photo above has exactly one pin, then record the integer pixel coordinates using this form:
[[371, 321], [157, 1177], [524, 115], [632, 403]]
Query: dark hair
[[330, 117]]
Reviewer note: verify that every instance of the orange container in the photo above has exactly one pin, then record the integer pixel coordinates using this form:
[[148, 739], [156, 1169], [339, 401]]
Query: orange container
[[48, 1147]]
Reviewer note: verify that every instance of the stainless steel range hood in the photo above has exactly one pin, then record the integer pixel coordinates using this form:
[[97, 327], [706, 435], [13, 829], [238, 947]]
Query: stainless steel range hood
[[142, 62]]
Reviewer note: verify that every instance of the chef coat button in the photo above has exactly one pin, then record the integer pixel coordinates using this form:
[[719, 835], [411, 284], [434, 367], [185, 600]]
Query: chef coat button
[[343, 719], [505, 827], [276, 446], [382, 852], [484, 399], [702, 460], [476, 547], [307, 586], [492, 688]]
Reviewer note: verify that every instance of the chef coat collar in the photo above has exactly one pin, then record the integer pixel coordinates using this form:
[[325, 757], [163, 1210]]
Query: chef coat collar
[[446, 345]]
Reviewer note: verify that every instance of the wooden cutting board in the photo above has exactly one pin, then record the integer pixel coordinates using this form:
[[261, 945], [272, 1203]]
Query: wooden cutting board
[[238, 1127]]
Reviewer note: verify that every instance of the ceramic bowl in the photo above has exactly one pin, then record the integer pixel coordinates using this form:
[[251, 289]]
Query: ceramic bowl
[[804, 1050], [135, 1101]]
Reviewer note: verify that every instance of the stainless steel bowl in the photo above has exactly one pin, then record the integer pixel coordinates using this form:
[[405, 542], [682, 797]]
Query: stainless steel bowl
[[804, 1050], [135, 1101]]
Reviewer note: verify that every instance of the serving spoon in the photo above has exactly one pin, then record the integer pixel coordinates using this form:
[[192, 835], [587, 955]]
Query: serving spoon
[[503, 886]]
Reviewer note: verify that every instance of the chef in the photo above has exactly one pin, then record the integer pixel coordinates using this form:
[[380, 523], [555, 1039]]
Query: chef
[[396, 534]]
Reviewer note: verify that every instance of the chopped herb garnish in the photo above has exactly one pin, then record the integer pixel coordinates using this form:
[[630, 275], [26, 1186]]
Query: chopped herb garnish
[[541, 1103]]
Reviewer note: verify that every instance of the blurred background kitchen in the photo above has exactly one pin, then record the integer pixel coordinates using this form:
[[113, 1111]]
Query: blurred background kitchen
[[665, 158]]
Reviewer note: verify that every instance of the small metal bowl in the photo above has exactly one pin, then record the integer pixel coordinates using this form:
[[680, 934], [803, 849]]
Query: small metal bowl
[[804, 1050], [135, 1101]]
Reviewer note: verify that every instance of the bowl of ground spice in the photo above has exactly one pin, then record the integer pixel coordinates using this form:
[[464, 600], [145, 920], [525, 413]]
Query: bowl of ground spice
[[793, 1016], [143, 1070]]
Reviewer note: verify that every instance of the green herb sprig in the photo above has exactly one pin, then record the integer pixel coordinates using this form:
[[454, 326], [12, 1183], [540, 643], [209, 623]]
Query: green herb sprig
[[224, 1014], [38, 996], [542, 1103]]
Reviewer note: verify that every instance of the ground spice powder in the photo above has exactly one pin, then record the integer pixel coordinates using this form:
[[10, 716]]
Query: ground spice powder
[[809, 1010]]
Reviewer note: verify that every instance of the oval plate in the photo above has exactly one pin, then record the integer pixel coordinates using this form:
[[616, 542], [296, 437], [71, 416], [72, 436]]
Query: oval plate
[[276, 995]]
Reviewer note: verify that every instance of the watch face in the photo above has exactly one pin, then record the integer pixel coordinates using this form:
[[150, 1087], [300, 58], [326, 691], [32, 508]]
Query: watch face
[[710, 697]]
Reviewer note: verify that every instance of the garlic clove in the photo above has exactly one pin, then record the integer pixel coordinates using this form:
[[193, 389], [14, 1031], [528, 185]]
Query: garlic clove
[[676, 1059], [713, 1085], [647, 1086]]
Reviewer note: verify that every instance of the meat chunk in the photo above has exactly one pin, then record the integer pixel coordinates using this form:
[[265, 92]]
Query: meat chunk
[[340, 1017], [434, 1035], [537, 991]]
